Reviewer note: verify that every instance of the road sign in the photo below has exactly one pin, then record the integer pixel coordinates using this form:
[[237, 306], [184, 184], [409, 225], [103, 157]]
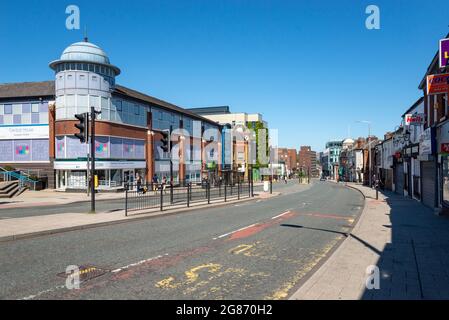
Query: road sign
[[444, 53]]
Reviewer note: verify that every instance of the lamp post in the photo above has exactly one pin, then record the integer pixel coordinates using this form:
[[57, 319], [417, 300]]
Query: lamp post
[[369, 150]]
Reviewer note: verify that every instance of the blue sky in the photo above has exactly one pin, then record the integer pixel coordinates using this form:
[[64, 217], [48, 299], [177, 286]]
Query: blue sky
[[310, 67]]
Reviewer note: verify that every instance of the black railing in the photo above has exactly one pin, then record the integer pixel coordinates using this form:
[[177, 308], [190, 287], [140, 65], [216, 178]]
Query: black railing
[[149, 196]]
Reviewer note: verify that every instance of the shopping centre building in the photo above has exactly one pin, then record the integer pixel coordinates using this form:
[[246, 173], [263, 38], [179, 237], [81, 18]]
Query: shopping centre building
[[37, 127]]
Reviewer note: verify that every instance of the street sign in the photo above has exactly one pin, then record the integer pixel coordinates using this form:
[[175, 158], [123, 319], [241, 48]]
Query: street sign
[[414, 119], [444, 53], [437, 83]]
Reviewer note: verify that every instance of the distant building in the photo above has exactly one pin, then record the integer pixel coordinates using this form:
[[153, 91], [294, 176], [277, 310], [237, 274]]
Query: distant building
[[307, 160], [334, 148], [223, 116]]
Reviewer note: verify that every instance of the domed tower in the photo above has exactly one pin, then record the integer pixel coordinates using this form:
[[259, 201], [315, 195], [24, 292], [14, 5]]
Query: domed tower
[[84, 78]]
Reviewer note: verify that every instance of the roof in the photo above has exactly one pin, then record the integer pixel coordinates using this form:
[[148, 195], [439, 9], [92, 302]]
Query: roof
[[160, 103], [27, 89], [211, 110], [432, 65], [47, 89], [84, 52]]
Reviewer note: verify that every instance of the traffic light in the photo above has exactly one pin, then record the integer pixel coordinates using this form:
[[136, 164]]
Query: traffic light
[[165, 141], [82, 126]]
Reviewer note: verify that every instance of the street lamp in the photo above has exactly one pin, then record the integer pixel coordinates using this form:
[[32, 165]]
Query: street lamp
[[369, 150]]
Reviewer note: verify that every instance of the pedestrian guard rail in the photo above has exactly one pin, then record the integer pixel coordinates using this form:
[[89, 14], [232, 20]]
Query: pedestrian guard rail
[[161, 196]]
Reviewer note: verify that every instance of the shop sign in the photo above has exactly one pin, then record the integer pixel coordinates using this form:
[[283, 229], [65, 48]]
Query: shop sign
[[445, 148], [414, 119], [437, 83], [9, 132], [427, 142], [444, 53]]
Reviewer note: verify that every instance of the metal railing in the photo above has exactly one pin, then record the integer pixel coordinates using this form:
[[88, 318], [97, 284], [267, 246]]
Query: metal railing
[[157, 195], [23, 180]]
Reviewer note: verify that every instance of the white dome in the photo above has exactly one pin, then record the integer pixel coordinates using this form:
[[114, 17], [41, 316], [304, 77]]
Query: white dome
[[85, 51]]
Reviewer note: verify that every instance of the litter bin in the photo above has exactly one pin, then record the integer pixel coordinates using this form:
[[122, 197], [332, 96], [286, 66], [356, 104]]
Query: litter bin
[[266, 186]]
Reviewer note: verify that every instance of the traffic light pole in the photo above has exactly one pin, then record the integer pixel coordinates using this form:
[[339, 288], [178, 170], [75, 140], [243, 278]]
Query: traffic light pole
[[92, 154]]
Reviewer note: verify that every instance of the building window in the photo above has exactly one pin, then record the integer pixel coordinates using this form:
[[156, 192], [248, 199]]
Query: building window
[[8, 109]]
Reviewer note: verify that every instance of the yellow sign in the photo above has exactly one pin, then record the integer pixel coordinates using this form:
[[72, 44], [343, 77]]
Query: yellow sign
[[96, 181]]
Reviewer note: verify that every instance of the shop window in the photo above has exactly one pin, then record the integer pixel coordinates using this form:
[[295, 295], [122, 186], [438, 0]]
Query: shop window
[[445, 180]]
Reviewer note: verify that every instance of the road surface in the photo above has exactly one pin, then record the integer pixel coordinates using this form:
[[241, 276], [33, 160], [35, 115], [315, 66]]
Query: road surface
[[253, 250]]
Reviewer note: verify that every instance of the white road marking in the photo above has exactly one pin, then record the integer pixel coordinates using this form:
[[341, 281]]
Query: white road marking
[[280, 215], [229, 233], [138, 263], [30, 297]]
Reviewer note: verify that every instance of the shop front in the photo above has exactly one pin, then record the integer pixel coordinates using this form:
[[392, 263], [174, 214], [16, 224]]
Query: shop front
[[443, 160], [428, 169], [411, 171], [112, 175]]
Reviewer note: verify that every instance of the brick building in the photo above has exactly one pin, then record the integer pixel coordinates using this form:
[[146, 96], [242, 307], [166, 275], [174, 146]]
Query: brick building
[[307, 160]]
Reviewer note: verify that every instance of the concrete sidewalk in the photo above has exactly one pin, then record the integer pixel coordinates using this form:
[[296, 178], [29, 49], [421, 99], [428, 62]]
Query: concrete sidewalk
[[19, 228], [404, 239], [50, 197]]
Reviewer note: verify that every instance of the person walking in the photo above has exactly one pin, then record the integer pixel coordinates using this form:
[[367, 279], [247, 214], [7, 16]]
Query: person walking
[[155, 182], [139, 183], [164, 183]]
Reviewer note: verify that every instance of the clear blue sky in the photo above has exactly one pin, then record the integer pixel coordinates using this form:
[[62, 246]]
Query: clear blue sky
[[310, 67]]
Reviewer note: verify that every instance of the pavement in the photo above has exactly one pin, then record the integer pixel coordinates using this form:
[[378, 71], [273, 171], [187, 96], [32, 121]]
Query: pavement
[[38, 225], [25, 220], [259, 249], [51, 197], [406, 241]]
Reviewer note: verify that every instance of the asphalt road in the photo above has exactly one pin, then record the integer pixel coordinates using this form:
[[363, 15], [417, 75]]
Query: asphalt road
[[252, 250], [101, 205]]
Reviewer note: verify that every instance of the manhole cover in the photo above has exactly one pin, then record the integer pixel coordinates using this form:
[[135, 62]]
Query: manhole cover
[[85, 273]]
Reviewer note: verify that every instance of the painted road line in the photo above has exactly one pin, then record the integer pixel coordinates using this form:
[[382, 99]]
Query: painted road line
[[138, 263], [229, 233], [280, 215], [31, 297], [251, 226]]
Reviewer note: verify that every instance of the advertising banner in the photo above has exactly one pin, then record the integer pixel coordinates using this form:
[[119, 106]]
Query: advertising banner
[[414, 119], [438, 83]]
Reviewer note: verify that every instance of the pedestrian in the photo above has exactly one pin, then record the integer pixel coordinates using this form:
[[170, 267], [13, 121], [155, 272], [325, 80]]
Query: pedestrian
[[155, 182], [139, 183], [164, 183], [285, 179]]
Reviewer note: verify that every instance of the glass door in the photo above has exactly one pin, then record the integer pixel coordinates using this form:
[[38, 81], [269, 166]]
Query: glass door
[[128, 177]]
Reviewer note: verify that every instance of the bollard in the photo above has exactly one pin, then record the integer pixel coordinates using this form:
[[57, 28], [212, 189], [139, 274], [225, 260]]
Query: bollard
[[126, 199], [238, 189], [225, 191], [208, 192], [162, 198], [271, 186], [171, 192], [188, 195]]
